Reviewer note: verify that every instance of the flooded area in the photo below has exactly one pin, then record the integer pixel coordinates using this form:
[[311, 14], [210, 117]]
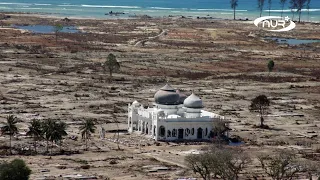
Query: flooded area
[[291, 41], [43, 29]]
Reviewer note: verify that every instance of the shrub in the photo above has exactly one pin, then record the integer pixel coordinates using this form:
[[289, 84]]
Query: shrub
[[15, 170]]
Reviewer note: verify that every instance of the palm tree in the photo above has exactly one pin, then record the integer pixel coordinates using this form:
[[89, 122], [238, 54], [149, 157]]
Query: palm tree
[[59, 132], [56, 131], [234, 4], [282, 3], [10, 127], [308, 8], [260, 6], [269, 6], [46, 130], [35, 130], [86, 129]]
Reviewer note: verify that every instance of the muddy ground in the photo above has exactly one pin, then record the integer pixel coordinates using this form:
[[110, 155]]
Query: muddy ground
[[224, 62]]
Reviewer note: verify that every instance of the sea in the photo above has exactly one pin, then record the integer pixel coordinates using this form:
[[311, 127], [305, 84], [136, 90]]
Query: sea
[[219, 9]]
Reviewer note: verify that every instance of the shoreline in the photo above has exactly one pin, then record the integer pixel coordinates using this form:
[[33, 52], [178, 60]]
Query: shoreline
[[141, 16]]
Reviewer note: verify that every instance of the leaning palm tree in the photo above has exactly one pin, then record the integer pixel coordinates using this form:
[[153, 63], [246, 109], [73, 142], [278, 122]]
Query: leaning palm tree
[[35, 130], [10, 127], [86, 129]]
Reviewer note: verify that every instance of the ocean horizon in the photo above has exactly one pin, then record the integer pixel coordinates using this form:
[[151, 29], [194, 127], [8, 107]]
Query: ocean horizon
[[155, 8]]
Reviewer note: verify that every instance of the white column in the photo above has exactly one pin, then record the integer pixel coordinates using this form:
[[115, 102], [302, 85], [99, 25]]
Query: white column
[[150, 129]]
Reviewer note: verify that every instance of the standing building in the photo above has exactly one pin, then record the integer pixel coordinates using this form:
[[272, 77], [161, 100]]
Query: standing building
[[174, 116]]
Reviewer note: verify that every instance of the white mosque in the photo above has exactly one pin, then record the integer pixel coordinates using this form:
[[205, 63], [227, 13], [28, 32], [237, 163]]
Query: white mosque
[[174, 116]]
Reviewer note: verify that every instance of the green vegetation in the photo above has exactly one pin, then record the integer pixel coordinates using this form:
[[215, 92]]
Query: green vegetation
[[54, 131], [261, 104], [282, 3], [15, 170], [308, 8], [35, 130], [111, 64], [234, 5], [270, 65], [260, 6], [10, 128], [57, 28], [299, 5], [269, 6], [86, 129]]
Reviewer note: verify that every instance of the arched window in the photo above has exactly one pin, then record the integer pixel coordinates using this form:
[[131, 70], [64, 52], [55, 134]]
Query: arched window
[[174, 133], [187, 131], [162, 131], [192, 131], [168, 133]]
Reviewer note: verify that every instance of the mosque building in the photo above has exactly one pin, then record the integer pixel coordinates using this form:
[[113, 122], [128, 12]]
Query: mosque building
[[174, 116]]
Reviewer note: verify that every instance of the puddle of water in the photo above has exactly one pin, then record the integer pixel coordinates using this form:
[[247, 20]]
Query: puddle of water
[[292, 42], [46, 29], [235, 143]]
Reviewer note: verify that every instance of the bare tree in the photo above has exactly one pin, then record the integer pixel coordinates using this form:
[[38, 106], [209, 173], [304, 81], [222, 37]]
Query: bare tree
[[261, 104], [223, 163], [260, 6], [311, 168], [282, 3], [201, 164], [230, 162], [219, 129], [283, 165]]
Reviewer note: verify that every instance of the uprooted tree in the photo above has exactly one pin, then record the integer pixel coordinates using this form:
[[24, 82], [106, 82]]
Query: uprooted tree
[[261, 104]]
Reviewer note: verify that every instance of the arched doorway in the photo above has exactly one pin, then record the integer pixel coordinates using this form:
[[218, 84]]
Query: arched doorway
[[199, 133], [162, 131], [180, 133]]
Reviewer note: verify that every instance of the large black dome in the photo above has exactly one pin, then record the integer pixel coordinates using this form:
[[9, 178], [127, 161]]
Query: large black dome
[[167, 96]]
